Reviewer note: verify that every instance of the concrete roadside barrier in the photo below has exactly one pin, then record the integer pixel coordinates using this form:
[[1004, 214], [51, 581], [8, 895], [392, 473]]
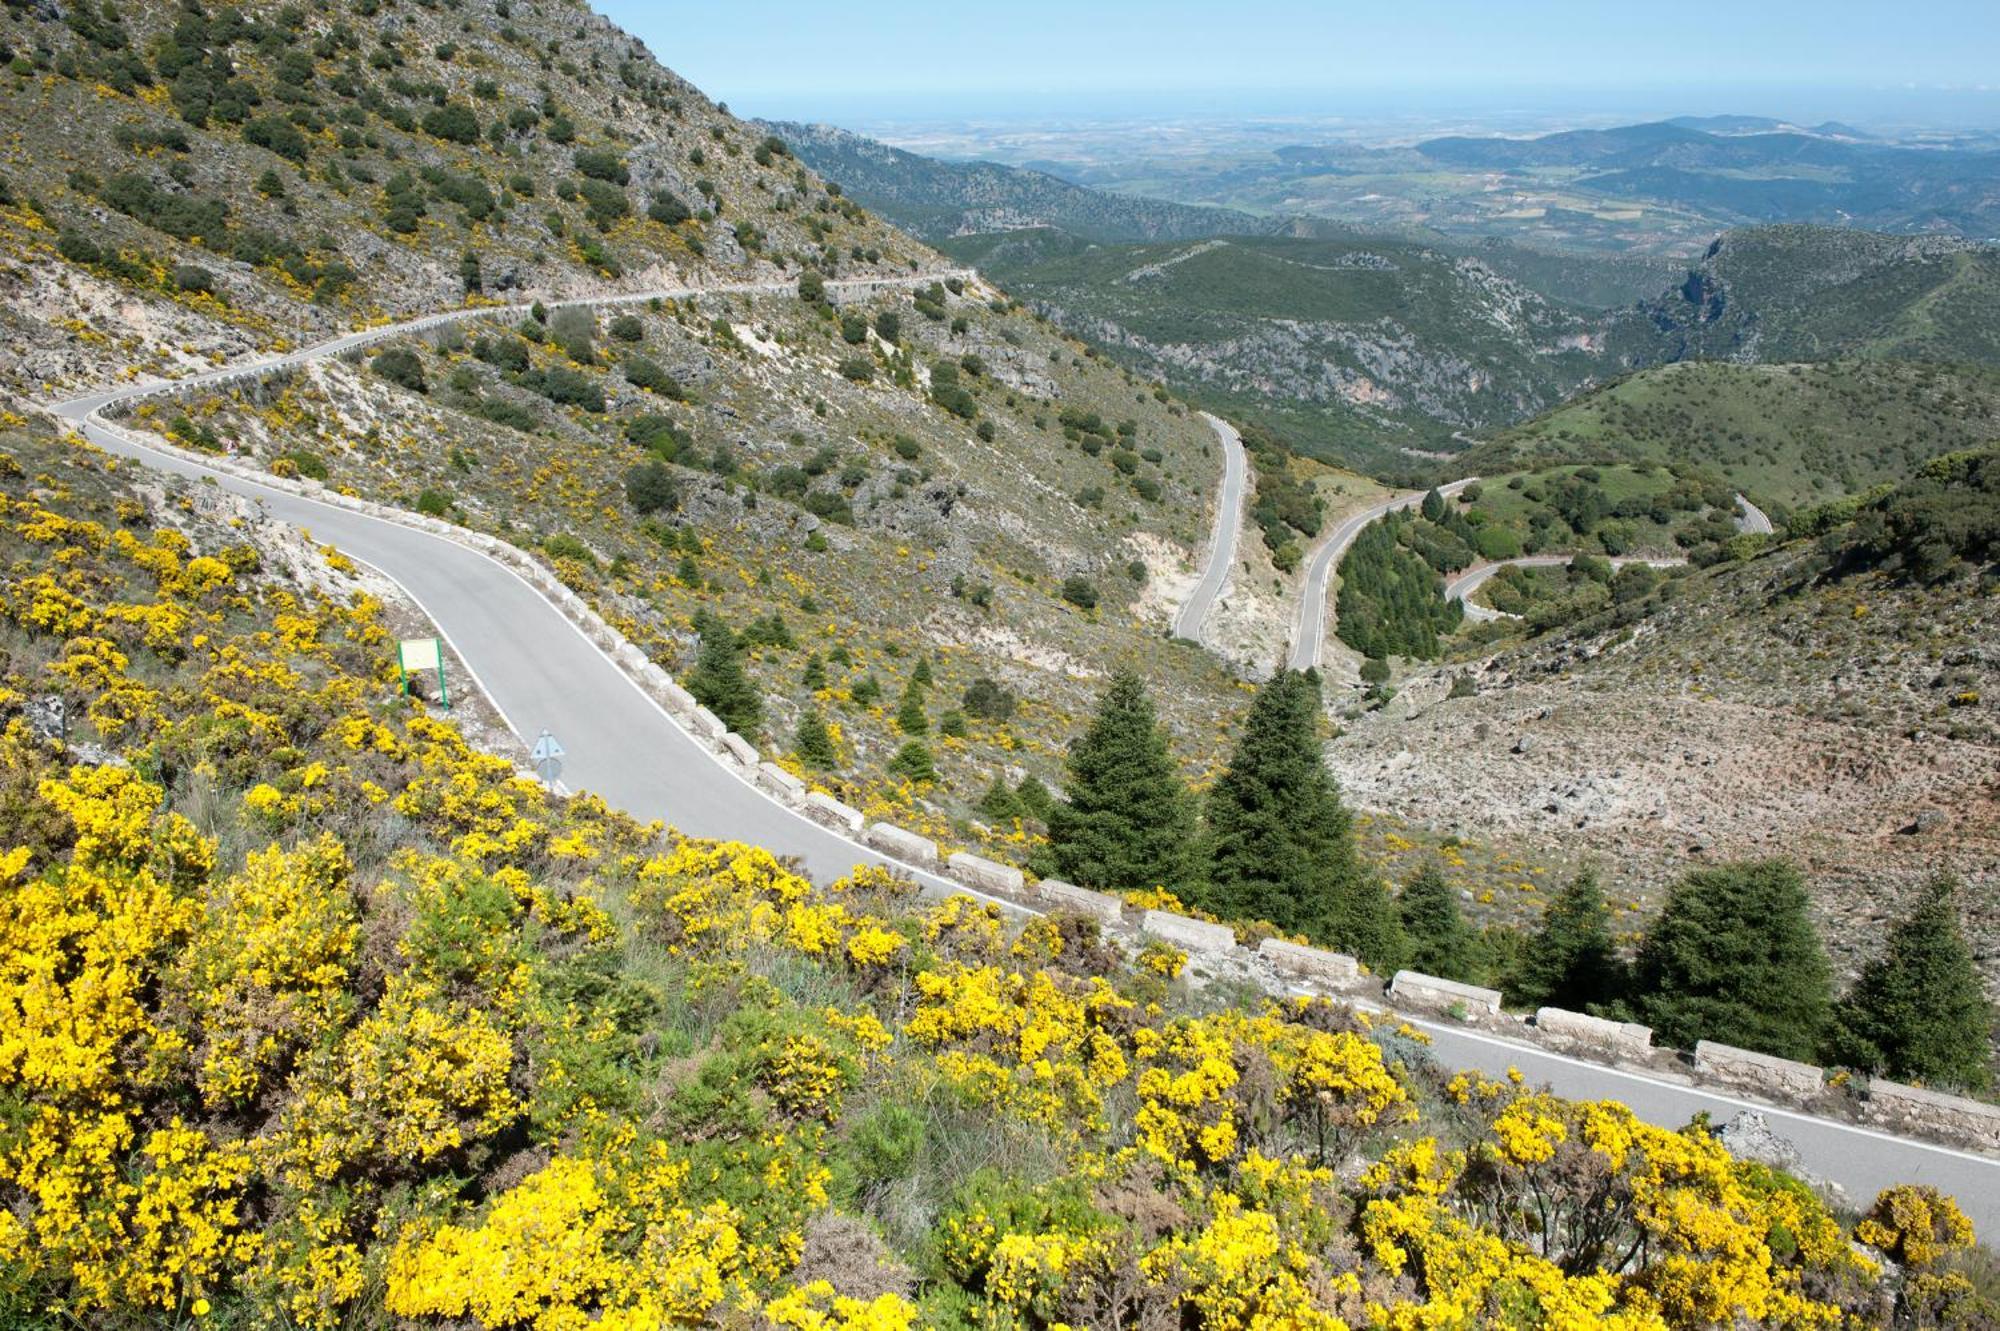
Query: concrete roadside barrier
[[1754, 1071], [1080, 900], [1621, 1039], [826, 809], [986, 875], [1433, 991], [902, 843], [1309, 963], [1194, 935]]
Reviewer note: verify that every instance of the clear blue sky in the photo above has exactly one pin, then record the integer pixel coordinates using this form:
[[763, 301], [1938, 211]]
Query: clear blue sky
[[782, 57]]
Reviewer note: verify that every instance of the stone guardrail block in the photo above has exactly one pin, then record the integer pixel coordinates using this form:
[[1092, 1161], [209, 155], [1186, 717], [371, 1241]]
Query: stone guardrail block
[[1948, 1115], [1080, 900], [1436, 992], [1755, 1071], [707, 724], [1309, 963], [1195, 935], [902, 843], [678, 700], [977, 871], [1625, 1039], [781, 783], [827, 809], [741, 749]]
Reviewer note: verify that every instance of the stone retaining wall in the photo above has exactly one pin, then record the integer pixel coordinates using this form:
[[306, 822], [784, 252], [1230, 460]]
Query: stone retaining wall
[[1620, 1039], [1434, 992], [1310, 963], [1194, 935], [1758, 1072], [902, 843], [1058, 895], [985, 874]]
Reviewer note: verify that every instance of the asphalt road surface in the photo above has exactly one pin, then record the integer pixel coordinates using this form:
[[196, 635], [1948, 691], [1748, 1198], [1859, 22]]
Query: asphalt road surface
[[1750, 518], [540, 671], [1472, 579], [1228, 528], [1309, 626]]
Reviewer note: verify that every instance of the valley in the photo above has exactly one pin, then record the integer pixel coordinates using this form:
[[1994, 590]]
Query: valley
[[1014, 745]]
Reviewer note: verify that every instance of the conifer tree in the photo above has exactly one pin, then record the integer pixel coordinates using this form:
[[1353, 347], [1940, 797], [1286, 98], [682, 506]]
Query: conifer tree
[[718, 680], [921, 676], [814, 676], [1281, 844], [914, 761], [1125, 821], [1433, 505], [1733, 958], [814, 742], [1036, 801], [1571, 961], [910, 718], [1439, 942], [1000, 802], [1917, 1012]]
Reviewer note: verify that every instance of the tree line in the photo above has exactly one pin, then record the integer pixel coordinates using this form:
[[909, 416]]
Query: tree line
[[1732, 957]]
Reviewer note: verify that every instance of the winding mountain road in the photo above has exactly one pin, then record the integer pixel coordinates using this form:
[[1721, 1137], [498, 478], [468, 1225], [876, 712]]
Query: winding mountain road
[[1470, 580], [540, 670], [1193, 615], [1750, 519], [1310, 624]]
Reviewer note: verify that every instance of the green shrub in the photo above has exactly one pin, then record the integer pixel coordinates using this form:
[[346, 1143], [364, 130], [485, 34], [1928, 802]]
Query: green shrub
[[401, 367]]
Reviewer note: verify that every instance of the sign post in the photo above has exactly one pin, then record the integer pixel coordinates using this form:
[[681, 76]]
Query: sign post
[[547, 757], [420, 654]]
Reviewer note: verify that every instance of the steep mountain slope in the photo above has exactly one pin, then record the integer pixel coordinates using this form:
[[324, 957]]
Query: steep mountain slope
[[1351, 345], [915, 512], [937, 199], [1831, 698], [1814, 293], [1791, 434]]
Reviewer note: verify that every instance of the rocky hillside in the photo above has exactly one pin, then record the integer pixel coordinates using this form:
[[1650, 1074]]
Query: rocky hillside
[[1789, 293], [924, 523], [1832, 699], [1351, 346]]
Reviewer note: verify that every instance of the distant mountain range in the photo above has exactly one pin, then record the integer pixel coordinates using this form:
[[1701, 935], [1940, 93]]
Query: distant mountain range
[[1745, 169], [937, 199]]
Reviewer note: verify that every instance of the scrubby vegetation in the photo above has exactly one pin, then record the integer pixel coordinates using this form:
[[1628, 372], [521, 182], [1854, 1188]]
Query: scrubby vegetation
[[318, 1016]]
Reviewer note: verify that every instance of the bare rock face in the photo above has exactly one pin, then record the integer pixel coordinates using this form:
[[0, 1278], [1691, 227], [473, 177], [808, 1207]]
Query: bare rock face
[[1749, 1136]]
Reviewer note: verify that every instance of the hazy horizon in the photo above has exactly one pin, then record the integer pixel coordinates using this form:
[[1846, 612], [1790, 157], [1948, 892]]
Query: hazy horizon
[[1918, 65]]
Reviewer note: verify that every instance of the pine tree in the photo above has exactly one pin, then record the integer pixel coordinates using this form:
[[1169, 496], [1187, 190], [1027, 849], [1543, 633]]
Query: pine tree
[[1917, 1011], [718, 680], [1439, 942], [1433, 505], [914, 761], [1571, 962], [814, 676], [1000, 803], [910, 718], [814, 742], [867, 689], [921, 676], [1733, 958], [1035, 798], [1281, 844], [1125, 821]]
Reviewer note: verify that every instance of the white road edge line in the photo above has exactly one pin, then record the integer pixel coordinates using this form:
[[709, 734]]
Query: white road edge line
[[869, 853]]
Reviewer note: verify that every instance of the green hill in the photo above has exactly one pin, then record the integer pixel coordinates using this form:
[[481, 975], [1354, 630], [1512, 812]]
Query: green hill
[[1792, 434], [1815, 293]]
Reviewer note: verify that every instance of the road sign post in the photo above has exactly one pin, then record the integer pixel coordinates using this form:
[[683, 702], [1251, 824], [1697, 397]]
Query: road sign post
[[547, 757], [419, 654]]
